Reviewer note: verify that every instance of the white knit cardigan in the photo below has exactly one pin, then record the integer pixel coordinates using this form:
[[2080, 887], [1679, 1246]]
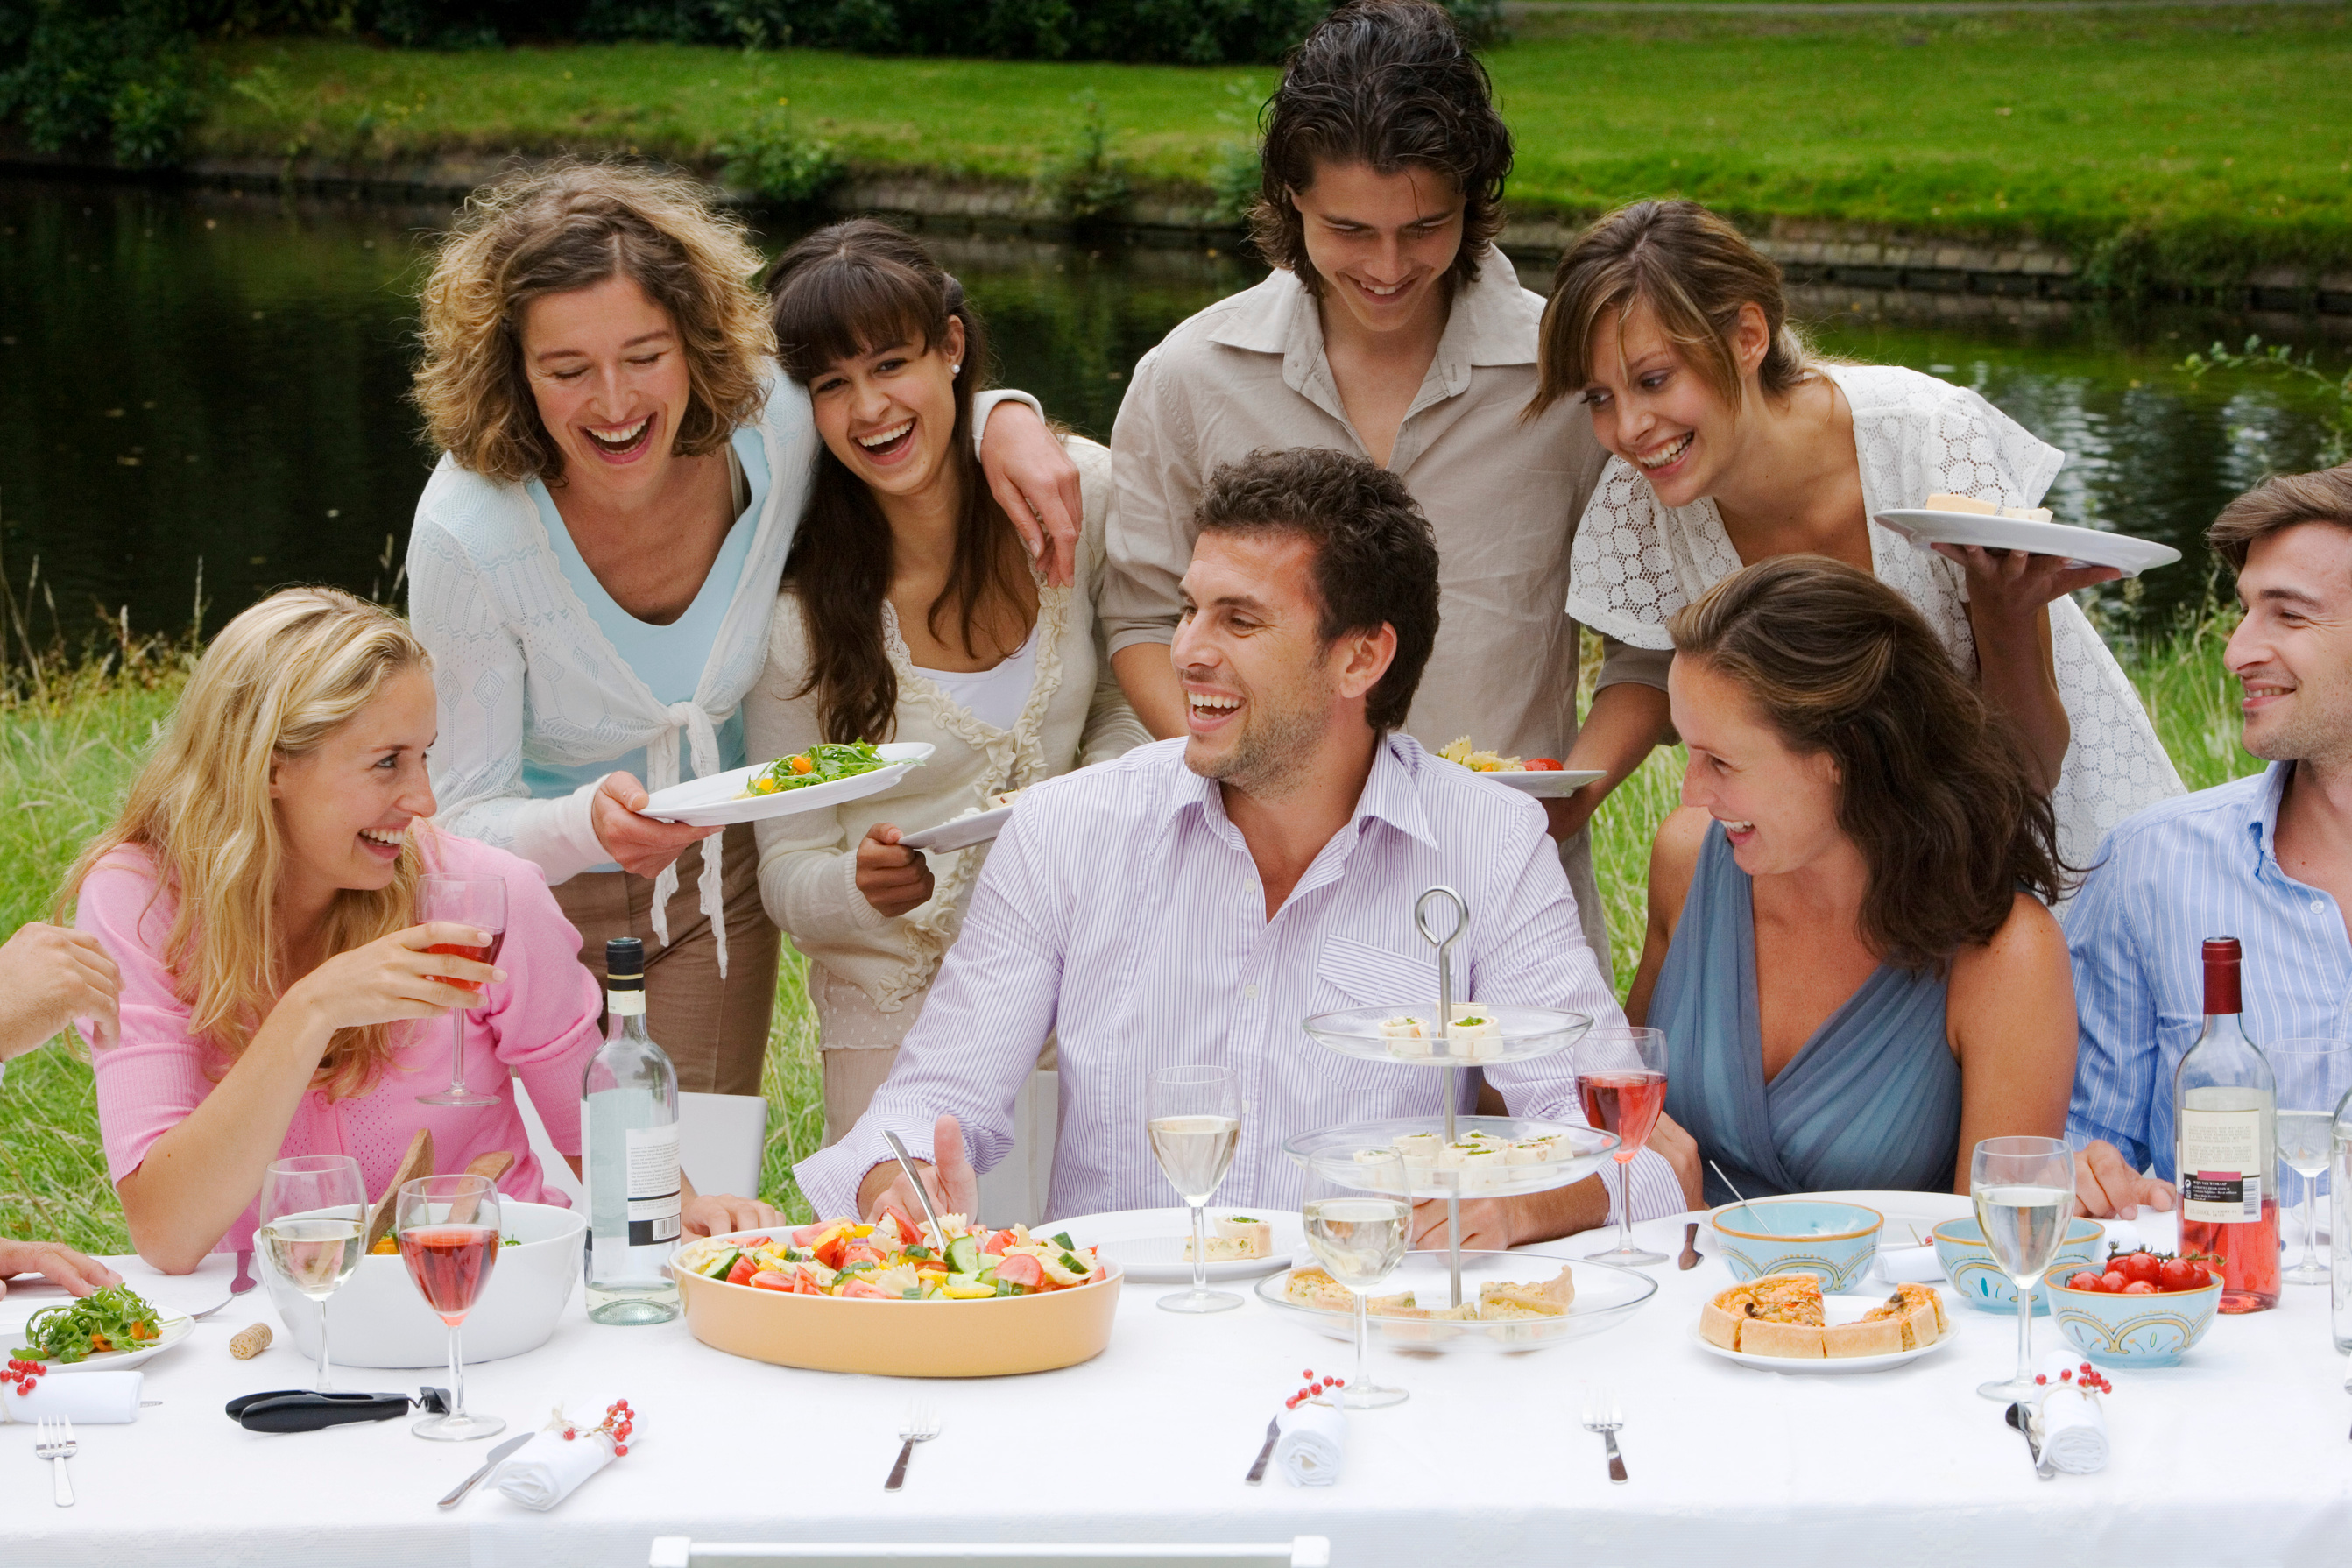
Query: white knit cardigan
[[522, 669], [1074, 715]]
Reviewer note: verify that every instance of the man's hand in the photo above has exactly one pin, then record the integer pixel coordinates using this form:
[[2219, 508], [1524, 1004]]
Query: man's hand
[[639, 845], [2106, 1188], [893, 880], [1488, 1225], [1037, 485], [951, 1183], [49, 977], [1680, 1151], [719, 1213], [59, 1264]]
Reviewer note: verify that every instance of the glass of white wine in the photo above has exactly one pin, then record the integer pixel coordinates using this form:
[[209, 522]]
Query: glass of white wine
[[2312, 1078], [313, 1215], [2024, 1192], [1195, 1123], [1358, 1223]]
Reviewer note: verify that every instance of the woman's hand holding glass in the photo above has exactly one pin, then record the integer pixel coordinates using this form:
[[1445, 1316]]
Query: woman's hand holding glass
[[641, 845], [395, 977]]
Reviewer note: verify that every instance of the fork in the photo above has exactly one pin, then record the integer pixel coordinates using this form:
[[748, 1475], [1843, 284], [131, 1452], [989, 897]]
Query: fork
[[922, 1426], [55, 1441], [1604, 1415]]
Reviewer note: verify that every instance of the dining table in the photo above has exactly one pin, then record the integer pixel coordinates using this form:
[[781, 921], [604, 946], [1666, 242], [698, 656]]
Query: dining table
[[2241, 1454]]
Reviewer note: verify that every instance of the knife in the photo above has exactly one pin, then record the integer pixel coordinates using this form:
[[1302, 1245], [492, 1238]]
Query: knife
[[498, 1456], [1273, 1432], [2024, 1423]]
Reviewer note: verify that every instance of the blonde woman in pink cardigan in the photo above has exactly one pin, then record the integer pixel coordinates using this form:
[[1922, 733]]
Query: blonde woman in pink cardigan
[[278, 998]]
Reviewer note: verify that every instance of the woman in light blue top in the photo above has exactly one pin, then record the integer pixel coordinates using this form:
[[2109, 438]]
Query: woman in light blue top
[[595, 559], [1846, 951]]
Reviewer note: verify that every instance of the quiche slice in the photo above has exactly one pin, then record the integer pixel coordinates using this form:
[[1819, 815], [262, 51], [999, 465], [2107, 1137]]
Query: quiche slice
[[1314, 1288], [1779, 1314], [1551, 1298]]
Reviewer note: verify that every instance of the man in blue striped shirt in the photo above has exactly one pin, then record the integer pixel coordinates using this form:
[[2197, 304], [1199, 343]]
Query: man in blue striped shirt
[[2267, 860]]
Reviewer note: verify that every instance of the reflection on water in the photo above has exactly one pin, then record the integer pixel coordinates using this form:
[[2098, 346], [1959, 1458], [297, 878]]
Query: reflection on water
[[211, 376]]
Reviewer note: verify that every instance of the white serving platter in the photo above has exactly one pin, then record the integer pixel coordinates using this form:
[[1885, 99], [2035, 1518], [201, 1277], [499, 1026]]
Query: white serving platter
[[1547, 783], [1148, 1244], [961, 833], [719, 801], [1606, 1295], [2081, 546], [1838, 1309]]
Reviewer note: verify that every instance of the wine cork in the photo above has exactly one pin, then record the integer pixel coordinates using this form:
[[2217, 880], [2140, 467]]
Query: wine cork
[[250, 1342]]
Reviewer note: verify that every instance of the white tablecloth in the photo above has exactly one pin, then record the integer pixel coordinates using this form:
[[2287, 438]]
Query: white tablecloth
[[2240, 1456]]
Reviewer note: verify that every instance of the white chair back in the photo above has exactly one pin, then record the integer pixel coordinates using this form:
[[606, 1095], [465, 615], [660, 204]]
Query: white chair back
[[722, 1138], [556, 1174], [1016, 1191], [1302, 1551]]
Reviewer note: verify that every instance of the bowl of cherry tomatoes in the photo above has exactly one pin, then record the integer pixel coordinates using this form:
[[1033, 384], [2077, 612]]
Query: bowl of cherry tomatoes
[[2144, 1308]]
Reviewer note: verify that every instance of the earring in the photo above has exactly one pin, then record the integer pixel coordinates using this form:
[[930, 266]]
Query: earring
[[955, 370]]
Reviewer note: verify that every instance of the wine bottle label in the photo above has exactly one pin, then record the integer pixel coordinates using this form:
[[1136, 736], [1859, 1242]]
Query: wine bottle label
[[653, 1185], [2221, 1166], [624, 1004]]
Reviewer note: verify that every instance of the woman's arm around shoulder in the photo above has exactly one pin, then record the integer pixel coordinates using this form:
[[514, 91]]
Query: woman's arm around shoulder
[[2010, 1015], [1674, 860]]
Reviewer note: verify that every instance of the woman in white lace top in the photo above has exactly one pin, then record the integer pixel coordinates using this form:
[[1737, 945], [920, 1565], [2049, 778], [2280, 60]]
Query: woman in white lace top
[[1732, 442], [909, 611], [595, 562]]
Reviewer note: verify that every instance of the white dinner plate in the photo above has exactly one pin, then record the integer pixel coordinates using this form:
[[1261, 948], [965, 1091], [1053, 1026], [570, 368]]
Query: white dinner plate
[[961, 833], [1837, 1310], [1547, 783], [2082, 546], [1148, 1244], [719, 801], [176, 1327]]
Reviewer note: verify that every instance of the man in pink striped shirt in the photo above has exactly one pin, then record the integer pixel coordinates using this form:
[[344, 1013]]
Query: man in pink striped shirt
[[1196, 899]]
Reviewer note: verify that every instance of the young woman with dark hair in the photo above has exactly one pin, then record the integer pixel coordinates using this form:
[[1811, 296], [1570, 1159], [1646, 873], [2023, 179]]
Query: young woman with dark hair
[[1392, 329], [909, 611], [1847, 946], [1733, 441]]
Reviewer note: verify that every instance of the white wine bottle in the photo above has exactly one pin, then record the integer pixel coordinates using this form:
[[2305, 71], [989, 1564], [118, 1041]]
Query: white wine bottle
[[628, 1118]]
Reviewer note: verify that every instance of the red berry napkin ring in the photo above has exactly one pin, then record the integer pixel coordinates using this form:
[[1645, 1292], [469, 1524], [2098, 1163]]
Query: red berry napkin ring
[[619, 1425], [1313, 1389]]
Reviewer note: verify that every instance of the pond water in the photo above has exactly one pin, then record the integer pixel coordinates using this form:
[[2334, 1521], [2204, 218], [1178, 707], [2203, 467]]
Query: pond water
[[213, 381]]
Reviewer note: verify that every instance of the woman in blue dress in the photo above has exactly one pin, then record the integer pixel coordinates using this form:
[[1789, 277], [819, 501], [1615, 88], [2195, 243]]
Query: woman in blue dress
[[1848, 949]]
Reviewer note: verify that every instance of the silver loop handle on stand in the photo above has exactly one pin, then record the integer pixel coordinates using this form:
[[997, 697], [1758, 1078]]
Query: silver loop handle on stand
[[1445, 946]]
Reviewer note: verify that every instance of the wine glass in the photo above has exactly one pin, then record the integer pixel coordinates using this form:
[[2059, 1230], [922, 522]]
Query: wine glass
[[313, 1215], [2024, 1192], [448, 1229], [1195, 1123], [1621, 1076], [1359, 1221], [479, 902], [2312, 1077]]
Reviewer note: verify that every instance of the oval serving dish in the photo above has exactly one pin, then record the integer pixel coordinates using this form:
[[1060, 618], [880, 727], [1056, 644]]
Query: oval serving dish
[[998, 1338]]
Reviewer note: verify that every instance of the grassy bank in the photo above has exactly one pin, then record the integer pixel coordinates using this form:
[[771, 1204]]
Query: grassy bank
[[2157, 145], [64, 764]]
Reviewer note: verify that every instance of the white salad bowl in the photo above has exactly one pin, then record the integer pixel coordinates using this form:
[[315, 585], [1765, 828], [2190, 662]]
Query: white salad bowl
[[378, 1319]]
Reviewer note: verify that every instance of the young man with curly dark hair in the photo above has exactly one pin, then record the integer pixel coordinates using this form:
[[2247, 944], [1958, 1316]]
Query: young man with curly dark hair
[[1392, 329]]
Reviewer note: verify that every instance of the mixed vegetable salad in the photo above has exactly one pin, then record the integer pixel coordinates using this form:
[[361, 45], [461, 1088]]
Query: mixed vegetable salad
[[115, 1319], [895, 1259], [819, 764]]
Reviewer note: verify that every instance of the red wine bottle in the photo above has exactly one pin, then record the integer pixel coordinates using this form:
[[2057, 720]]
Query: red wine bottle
[[2225, 1105]]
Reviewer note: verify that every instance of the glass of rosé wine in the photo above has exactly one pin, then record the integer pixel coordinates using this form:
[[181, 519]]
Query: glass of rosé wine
[[1621, 1077], [479, 902], [448, 1231]]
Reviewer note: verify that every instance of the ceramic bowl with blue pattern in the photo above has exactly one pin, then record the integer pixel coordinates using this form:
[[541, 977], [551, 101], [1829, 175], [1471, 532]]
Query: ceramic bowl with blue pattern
[[1832, 1241], [2133, 1331], [1969, 1264]]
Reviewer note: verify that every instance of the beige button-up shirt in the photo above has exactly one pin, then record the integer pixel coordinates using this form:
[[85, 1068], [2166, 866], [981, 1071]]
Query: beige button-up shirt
[[1502, 494]]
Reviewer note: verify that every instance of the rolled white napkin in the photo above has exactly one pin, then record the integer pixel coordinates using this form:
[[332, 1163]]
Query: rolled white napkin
[[1313, 1445], [92, 1398], [1909, 1265], [547, 1469], [2074, 1427]]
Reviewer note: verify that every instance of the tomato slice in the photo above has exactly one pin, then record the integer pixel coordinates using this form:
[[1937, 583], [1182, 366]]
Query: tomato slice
[[1021, 1268], [743, 1271], [997, 1242], [809, 1233], [829, 1253], [769, 1279], [860, 1287], [1541, 765]]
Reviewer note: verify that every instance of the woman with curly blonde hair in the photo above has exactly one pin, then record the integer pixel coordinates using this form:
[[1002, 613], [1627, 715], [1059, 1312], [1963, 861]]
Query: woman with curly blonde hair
[[595, 561]]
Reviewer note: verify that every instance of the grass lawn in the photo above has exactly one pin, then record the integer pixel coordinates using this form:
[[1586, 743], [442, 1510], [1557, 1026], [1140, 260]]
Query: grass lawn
[[2220, 136], [64, 766]]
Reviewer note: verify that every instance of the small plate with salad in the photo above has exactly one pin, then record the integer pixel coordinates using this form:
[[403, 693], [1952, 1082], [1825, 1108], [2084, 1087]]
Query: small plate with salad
[[823, 775], [1154, 1245], [111, 1329]]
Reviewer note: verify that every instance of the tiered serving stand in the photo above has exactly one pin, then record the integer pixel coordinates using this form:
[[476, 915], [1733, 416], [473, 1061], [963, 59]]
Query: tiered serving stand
[[1523, 1034]]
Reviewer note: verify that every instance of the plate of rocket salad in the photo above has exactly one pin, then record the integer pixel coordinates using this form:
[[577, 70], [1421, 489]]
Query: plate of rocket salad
[[827, 775], [111, 1329]]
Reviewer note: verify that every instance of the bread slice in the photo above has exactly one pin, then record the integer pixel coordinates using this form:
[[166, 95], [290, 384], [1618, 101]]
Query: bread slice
[[1551, 1298], [1985, 508], [1225, 1249], [417, 1162]]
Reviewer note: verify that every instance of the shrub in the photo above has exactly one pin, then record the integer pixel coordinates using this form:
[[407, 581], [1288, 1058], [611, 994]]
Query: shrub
[[87, 73], [773, 162], [1087, 182]]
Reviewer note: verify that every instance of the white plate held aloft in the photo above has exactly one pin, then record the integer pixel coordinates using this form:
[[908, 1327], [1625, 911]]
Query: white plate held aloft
[[960, 833], [2081, 546], [718, 800]]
